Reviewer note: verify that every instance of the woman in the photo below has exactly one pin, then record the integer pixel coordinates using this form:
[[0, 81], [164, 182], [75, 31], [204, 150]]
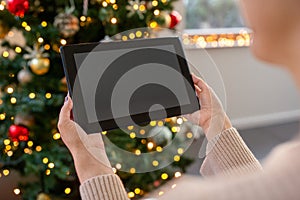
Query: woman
[[234, 172]]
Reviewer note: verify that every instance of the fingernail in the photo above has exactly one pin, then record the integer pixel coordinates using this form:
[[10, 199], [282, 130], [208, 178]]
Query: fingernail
[[66, 98]]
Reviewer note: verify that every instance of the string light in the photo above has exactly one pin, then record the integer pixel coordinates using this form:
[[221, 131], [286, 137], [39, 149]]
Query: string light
[[131, 194], [160, 193], [155, 163], [18, 50], [174, 129], [155, 3], [142, 8], [17, 191], [137, 152], [240, 39], [13, 100], [129, 127], [67, 190], [160, 123], [40, 40], [28, 151], [118, 166], [153, 24], [29, 143], [174, 186], [5, 54], [5, 172], [44, 24], [114, 170], [137, 190], [124, 38], [16, 143], [8, 147], [104, 132], [159, 149], [189, 135], [24, 24], [56, 136], [48, 95], [32, 95], [12, 118], [142, 132], [38, 148], [179, 121], [46, 47], [139, 34], [132, 135], [10, 90], [177, 158], [150, 145], [2, 116], [132, 36], [135, 6], [115, 7], [28, 28], [132, 170], [153, 123], [51, 165], [156, 12], [164, 176], [177, 175], [9, 153], [164, 1], [112, 1], [180, 151], [104, 4], [48, 172], [63, 42], [83, 18], [45, 160], [113, 20]]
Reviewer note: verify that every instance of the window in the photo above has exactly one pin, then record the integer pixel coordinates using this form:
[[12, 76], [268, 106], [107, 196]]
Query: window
[[208, 14], [214, 24]]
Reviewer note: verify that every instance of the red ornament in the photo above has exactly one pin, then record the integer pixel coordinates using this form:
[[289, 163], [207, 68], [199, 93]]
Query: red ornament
[[18, 7], [18, 133], [175, 18]]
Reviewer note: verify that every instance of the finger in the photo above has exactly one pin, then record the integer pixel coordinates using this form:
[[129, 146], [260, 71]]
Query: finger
[[65, 112], [199, 82], [198, 90]]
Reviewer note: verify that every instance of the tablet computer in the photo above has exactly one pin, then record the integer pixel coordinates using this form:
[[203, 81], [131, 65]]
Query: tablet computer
[[123, 83]]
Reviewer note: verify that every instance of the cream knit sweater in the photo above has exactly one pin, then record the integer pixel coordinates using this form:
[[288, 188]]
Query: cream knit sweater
[[239, 175]]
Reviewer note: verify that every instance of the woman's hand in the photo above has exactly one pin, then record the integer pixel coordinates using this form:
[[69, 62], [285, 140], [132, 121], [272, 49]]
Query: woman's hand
[[212, 118], [87, 150]]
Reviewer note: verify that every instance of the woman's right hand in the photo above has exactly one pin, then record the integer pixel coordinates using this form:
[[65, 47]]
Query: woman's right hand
[[211, 117]]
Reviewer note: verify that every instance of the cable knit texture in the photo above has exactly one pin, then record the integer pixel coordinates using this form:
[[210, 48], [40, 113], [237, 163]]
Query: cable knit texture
[[228, 154], [108, 187]]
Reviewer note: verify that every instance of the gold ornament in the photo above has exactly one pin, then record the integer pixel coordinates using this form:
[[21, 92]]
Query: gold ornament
[[165, 16], [38, 60], [67, 24], [43, 196], [39, 66], [24, 76]]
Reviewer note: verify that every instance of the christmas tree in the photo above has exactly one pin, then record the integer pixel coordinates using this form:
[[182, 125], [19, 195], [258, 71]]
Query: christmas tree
[[32, 90]]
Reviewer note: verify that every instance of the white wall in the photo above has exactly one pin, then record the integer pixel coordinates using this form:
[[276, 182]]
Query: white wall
[[258, 94]]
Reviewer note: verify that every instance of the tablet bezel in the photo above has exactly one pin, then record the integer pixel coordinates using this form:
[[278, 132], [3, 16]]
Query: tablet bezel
[[80, 116]]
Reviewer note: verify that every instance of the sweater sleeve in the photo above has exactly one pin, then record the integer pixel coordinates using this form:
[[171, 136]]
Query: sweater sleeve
[[228, 154], [104, 187]]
